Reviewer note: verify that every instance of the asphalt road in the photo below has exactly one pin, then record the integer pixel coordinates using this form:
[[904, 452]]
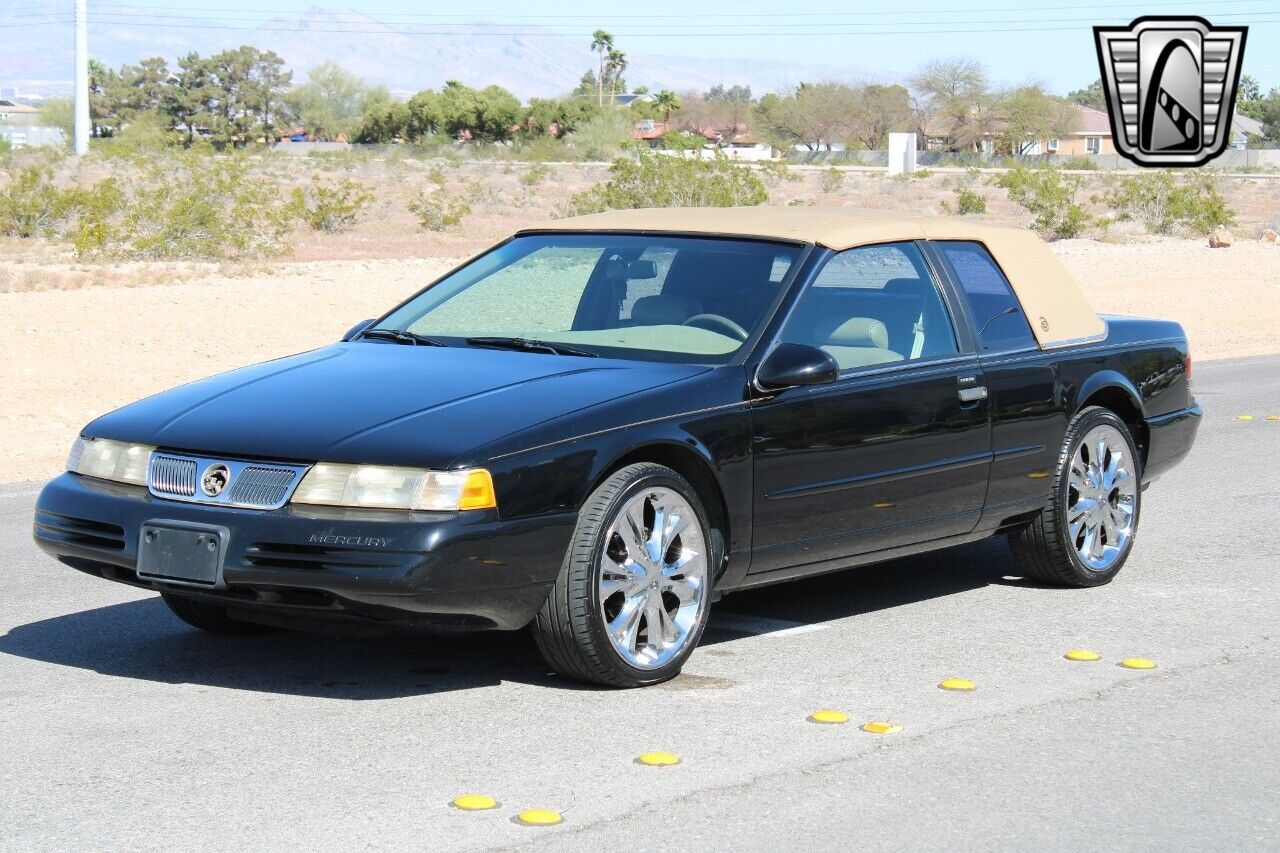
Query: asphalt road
[[122, 728]]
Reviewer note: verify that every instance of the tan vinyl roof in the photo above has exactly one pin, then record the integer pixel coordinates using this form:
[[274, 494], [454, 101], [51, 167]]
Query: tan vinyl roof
[[1056, 308]]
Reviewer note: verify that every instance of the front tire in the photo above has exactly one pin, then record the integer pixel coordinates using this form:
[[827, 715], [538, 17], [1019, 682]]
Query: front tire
[[632, 598], [1085, 533], [208, 617]]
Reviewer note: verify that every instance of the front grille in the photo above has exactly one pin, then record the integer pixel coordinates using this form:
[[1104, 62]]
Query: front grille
[[170, 475], [250, 485], [280, 555], [261, 486]]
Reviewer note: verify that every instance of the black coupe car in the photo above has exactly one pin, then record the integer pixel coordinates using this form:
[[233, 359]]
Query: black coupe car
[[602, 425]]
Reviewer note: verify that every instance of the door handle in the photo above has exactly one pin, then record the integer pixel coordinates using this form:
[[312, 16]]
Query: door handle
[[973, 395]]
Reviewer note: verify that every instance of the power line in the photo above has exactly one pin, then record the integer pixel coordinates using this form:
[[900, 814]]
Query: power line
[[685, 26], [548, 33], [1200, 4]]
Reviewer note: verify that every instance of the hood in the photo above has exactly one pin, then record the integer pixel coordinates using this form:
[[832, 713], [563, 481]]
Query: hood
[[378, 403]]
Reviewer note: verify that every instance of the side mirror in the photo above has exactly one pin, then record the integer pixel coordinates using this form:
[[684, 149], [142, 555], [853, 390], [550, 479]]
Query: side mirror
[[790, 365], [356, 329]]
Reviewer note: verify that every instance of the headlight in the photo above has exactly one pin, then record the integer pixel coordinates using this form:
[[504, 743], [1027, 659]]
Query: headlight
[[110, 460], [396, 488]]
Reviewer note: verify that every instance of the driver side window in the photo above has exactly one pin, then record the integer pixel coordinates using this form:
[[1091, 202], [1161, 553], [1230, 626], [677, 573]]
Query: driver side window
[[874, 305]]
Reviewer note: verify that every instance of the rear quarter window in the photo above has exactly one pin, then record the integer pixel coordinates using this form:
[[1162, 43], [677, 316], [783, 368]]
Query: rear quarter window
[[996, 312]]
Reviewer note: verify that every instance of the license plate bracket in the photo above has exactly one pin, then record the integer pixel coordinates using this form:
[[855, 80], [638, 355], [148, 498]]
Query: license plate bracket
[[180, 552]]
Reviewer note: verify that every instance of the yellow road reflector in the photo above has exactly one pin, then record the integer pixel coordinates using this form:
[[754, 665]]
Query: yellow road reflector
[[1082, 654], [539, 817], [1273, 417], [1244, 417], [475, 802], [879, 728], [658, 759], [829, 717], [958, 684], [884, 504], [1138, 663]]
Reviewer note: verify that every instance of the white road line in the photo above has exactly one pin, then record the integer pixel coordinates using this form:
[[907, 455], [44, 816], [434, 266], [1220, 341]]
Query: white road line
[[740, 623]]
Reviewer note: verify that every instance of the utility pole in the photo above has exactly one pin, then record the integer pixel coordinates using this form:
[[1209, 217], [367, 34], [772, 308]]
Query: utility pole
[[82, 80]]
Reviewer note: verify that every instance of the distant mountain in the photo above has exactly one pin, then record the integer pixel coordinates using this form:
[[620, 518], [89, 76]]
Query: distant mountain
[[541, 64]]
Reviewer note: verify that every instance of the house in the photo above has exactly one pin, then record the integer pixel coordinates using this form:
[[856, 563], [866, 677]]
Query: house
[[20, 126], [735, 142], [1244, 130], [13, 113], [1090, 134]]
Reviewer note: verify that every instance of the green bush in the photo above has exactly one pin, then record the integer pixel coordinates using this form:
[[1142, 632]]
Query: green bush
[[1049, 196], [830, 180], [1162, 203], [968, 201], [602, 136], [1079, 163], [331, 207], [31, 205], [776, 171], [438, 210], [661, 180], [536, 174]]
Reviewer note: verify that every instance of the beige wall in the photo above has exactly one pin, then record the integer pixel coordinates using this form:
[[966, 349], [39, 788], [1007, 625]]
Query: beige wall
[[1071, 145]]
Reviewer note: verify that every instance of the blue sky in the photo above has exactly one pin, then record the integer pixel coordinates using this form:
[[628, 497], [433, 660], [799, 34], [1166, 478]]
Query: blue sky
[[1019, 42]]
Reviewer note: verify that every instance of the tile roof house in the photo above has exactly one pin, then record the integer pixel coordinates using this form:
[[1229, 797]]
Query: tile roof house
[[1091, 135]]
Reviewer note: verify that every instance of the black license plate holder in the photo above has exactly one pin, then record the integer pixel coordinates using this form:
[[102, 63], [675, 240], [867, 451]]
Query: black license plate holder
[[182, 553]]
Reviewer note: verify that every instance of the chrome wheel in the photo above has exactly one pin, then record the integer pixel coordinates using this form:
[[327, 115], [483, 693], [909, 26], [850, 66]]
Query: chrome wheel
[[653, 577], [1102, 497]]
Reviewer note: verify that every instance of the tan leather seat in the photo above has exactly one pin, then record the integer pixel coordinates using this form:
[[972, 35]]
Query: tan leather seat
[[858, 342]]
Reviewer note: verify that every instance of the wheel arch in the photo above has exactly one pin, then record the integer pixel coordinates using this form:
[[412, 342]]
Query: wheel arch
[[693, 464], [1113, 391]]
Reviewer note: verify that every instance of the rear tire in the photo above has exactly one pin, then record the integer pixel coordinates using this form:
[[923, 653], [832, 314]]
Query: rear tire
[[1085, 533], [208, 617], [634, 592]]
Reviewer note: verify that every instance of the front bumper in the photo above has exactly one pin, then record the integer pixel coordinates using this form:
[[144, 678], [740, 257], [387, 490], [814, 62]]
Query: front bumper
[[377, 569], [1171, 437]]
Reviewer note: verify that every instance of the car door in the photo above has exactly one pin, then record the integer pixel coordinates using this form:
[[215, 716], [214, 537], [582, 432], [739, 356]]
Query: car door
[[1028, 415], [898, 449]]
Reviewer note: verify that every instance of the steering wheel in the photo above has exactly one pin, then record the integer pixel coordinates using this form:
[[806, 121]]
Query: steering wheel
[[717, 323]]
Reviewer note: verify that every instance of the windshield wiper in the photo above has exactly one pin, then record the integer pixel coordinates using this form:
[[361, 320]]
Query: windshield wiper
[[401, 337], [528, 345]]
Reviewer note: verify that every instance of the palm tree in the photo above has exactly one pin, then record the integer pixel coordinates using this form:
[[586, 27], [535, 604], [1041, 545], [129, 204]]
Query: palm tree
[[667, 101], [602, 44], [615, 65]]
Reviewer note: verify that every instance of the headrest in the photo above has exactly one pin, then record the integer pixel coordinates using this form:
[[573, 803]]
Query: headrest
[[904, 285], [860, 332], [663, 310]]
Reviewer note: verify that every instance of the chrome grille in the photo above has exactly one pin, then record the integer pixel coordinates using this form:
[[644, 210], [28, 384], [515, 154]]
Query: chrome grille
[[251, 485], [261, 486], [172, 476]]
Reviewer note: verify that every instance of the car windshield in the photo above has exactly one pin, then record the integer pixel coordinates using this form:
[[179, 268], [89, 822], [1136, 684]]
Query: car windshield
[[656, 298]]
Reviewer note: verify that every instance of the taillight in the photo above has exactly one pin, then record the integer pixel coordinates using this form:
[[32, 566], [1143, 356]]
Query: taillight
[[1186, 366]]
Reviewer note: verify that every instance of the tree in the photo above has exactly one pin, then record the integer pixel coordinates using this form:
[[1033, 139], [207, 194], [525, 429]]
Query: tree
[[956, 93], [1091, 96], [615, 64], [667, 101], [332, 101], [884, 109], [383, 121], [564, 114], [191, 98], [732, 94], [59, 113], [1029, 114], [601, 43]]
